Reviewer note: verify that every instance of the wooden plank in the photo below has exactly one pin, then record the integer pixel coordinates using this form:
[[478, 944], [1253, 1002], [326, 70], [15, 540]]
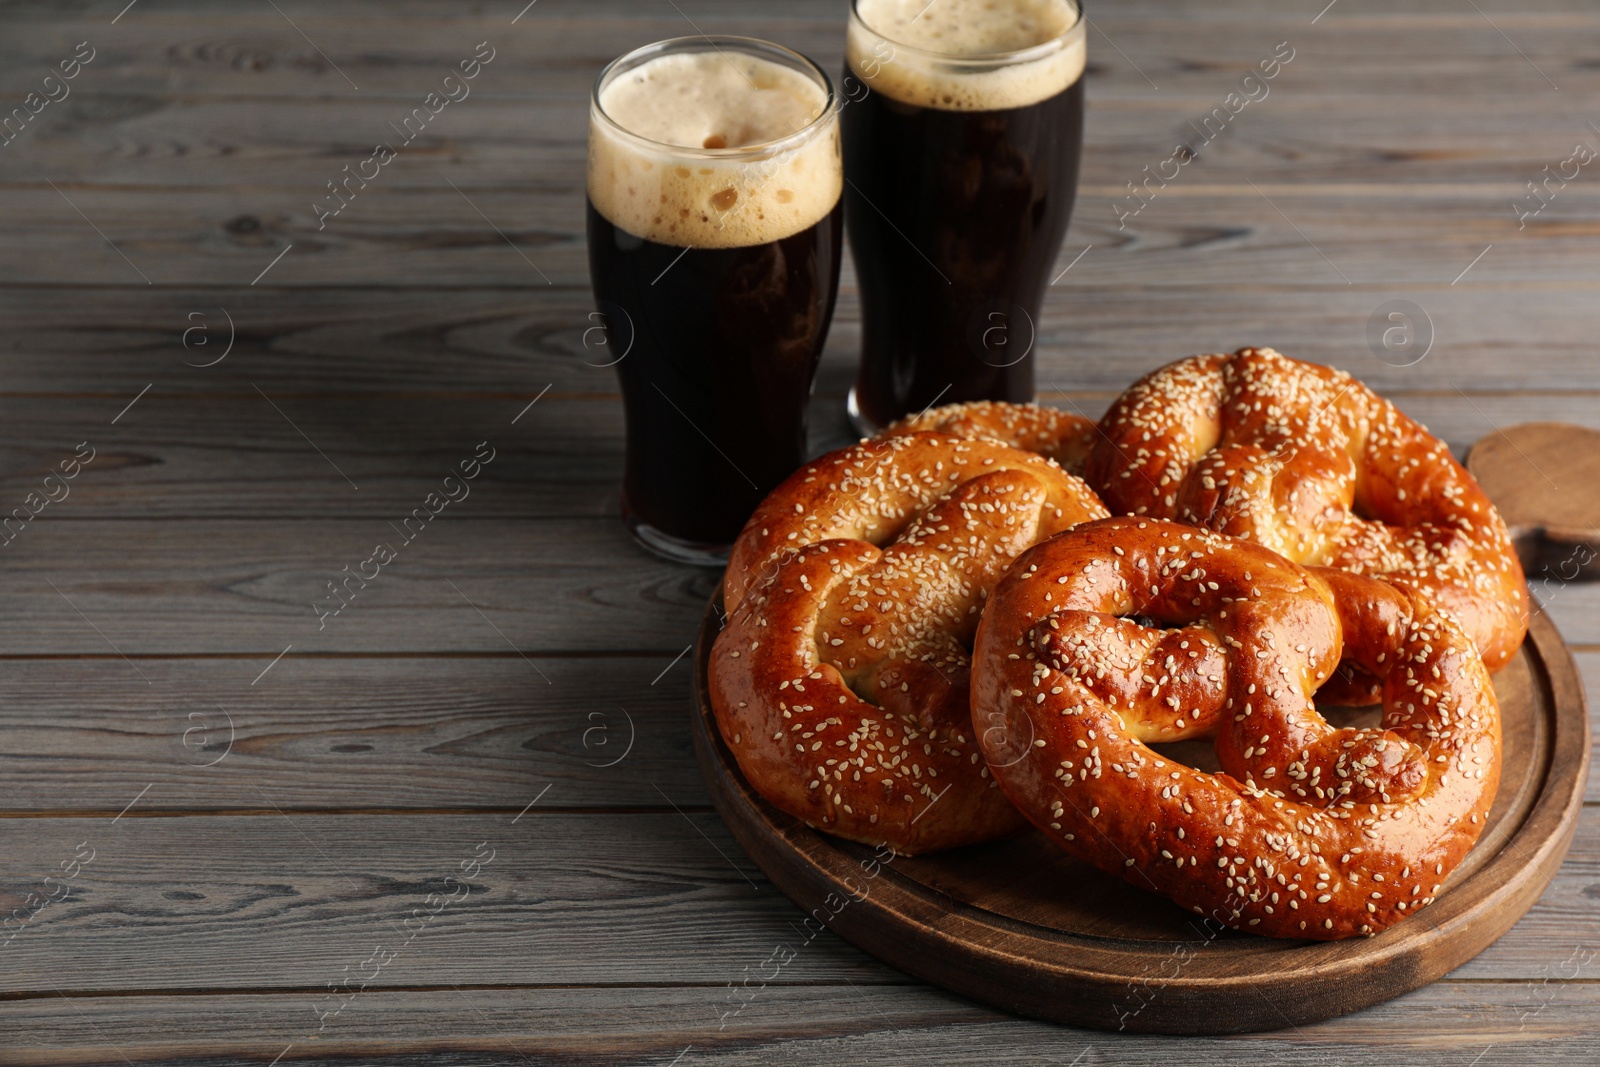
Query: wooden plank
[[250, 586], [288, 900], [232, 456], [1432, 48], [533, 587], [243, 586], [1188, 234], [1574, 606], [367, 734], [514, 340], [242, 456], [1367, 12], [196, 115], [1589, 670], [1444, 1025], [1300, 136], [284, 900], [386, 733]]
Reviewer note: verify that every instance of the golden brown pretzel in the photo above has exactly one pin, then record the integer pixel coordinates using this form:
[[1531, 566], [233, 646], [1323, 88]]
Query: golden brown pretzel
[[1064, 437], [1307, 461], [1307, 831], [840, 681]]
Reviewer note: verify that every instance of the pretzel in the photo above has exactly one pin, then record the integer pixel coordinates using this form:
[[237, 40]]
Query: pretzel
[[1064, 438], [1307, 461], [840, 681], [1307, 831]]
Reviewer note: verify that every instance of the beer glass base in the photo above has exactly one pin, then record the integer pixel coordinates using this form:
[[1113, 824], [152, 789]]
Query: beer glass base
[[673, 549], [858, 421]]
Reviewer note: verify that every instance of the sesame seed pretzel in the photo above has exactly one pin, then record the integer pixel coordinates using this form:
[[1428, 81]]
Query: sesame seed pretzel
[[1064, 437], [1307, 830], [1309, 462], [841, 679]]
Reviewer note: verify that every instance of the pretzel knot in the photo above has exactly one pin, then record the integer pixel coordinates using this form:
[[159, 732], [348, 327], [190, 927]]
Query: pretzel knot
[[1131, 630], [840, 681], [1310, 463]]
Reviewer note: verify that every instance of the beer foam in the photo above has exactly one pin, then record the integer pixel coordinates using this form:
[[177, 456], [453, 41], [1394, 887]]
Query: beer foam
[[960, 55], [679, 179]]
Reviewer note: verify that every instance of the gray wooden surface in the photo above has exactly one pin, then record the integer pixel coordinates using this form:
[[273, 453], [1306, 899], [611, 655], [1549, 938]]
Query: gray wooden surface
[[260, 825]]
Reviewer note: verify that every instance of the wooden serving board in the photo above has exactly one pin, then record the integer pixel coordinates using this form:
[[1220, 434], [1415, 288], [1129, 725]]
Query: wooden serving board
[[1542, 476], [1022, 926]]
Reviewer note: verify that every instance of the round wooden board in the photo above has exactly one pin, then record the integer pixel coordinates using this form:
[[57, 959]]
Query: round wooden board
[[1024, 927], [1555, 526]]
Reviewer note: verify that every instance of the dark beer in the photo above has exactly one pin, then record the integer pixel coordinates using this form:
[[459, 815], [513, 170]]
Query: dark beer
[[957, 204], [721, 354], [714, 227]]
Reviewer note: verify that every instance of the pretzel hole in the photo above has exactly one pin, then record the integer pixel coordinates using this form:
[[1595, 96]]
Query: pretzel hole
[[1166, 682], [1345, 717], [1200, 753], [1349, 687]]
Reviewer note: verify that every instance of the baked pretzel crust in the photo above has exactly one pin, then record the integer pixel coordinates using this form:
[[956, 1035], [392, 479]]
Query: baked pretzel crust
[[1312, 464], [1063, 437], [841, 679], [1307, 831]]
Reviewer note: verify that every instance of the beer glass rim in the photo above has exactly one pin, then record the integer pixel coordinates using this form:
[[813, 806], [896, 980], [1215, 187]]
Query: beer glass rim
[[716, 42], [985, 59]]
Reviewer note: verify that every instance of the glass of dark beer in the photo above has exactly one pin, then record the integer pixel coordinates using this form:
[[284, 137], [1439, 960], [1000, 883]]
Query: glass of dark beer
[[963, 126], [715, 226]]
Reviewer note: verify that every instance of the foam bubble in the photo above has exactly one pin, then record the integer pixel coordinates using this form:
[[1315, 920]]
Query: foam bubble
[[934, 54], [678, 179]]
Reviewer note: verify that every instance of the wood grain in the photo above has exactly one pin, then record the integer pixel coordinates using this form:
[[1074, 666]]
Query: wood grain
[[1444, 1025], [435, 236], [440, 732], [283, 901], [249, 586], [387, 50], [520, 109], [248, 456], [456, 733], [1395, 142], [512, 341], [233, 454], [1555, 523]]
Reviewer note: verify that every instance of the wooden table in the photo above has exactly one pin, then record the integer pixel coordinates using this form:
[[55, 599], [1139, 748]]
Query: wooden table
[[241, 806]]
